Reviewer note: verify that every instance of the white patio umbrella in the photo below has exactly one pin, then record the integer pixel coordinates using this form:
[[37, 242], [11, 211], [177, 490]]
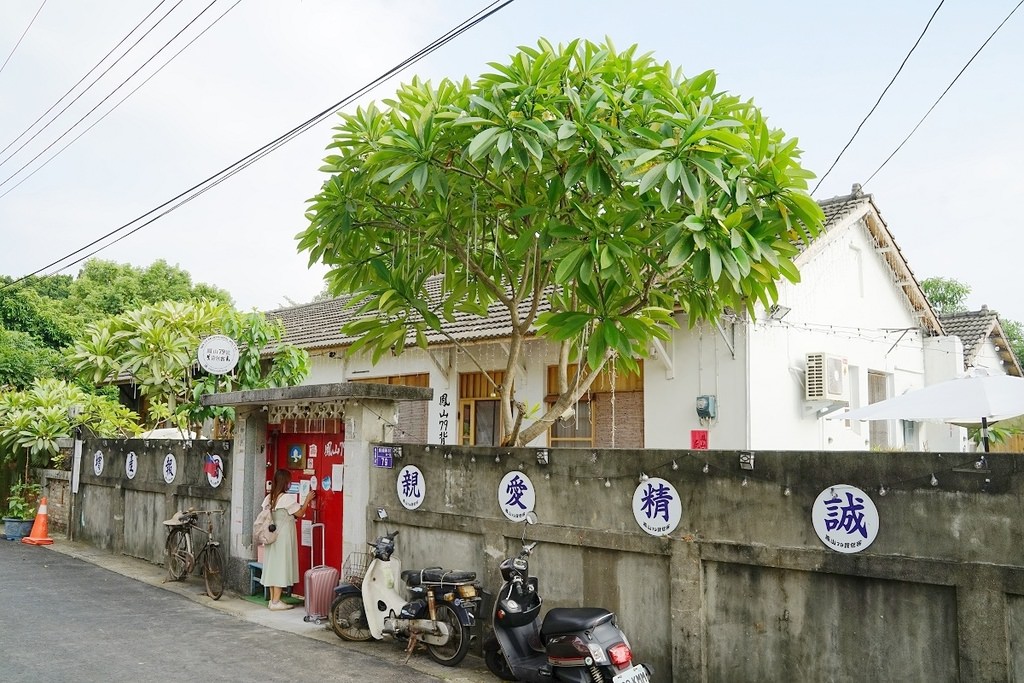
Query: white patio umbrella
[[978, 398]]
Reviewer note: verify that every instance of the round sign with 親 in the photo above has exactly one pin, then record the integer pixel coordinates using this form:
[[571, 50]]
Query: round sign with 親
[[516, 495], [218, 354], [411, 487], [845, 518], [657, 507]]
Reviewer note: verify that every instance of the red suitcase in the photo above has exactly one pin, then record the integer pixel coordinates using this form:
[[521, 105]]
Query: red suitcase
[[319, 581]]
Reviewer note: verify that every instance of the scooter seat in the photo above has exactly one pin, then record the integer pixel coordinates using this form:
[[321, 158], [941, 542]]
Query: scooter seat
[[415, 577], [566, 619]]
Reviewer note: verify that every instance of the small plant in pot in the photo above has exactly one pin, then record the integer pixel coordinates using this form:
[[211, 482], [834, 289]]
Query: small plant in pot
[[21, 510]]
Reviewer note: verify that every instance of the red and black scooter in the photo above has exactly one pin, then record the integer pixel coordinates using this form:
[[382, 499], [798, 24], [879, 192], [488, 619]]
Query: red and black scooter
[[583, 645]]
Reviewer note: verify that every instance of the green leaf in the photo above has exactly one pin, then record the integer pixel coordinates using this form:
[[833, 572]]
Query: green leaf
[[482, 143], [651, 177]]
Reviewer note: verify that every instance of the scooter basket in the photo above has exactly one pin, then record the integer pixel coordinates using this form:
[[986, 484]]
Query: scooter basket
[[354, 568]]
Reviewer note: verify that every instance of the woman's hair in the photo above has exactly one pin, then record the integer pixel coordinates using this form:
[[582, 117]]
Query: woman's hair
[[282, 480]]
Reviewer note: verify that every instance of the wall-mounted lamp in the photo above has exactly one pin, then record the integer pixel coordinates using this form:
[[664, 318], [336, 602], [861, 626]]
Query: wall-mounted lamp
[[746, 460], [542, 456], [777, 312], [396, 452]]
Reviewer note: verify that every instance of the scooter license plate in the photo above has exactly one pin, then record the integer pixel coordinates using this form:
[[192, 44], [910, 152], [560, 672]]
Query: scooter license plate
[[638, 674]]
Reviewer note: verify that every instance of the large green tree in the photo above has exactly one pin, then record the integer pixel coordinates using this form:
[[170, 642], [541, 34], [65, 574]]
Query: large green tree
[[946, 295], [600, 182], [154, 348]]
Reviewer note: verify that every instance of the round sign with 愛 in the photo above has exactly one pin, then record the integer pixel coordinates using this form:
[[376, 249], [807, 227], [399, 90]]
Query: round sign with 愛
[[516, 495], [218, 354]]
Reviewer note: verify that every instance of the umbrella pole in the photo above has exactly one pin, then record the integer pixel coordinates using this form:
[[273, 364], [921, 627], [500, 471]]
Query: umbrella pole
[[984, 433]]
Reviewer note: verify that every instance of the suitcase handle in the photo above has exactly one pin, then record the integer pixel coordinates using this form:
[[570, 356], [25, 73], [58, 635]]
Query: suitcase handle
[[312, 545]]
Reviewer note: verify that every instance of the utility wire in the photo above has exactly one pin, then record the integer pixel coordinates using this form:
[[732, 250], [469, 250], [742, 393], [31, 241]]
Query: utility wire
[[879, 101], [238, 166], [120, 102], [71, 89], [23, 34], [121, 85], [934, 104]]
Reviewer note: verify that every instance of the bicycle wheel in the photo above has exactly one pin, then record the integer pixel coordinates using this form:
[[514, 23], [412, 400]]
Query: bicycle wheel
[[348, 620], [454, 651], [177, 554], [213, 572]]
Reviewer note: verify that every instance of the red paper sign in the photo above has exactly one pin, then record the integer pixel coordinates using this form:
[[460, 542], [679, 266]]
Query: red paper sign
[[699, 439]]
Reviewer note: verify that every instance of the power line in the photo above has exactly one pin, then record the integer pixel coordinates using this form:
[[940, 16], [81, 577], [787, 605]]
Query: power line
[[23, 34], [121, 85], [879, 101], [951, 83], [243, 163], [71, 89], [120, 102]]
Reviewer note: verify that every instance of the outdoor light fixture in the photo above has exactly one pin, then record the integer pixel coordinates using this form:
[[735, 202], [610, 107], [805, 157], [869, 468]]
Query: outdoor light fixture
[[746, 460], [396, 452], [777, 312], [542, 456]]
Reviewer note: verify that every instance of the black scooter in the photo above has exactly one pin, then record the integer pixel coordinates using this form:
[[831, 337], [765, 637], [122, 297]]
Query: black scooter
[[583, 644]]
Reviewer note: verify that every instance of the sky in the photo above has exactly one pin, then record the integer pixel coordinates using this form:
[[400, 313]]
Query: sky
[[950, 196]]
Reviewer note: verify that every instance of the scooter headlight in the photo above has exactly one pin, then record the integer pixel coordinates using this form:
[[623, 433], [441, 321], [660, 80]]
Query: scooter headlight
[[512, 606], [520, 564]]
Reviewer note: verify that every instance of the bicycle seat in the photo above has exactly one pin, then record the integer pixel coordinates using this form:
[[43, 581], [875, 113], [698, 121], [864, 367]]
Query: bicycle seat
[[177, 520]]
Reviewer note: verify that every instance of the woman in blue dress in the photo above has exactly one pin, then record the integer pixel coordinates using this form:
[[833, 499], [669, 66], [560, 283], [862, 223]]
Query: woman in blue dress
[[281, 558]]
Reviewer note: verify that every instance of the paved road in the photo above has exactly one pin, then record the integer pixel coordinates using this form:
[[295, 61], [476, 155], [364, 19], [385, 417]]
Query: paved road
[[62, 618]]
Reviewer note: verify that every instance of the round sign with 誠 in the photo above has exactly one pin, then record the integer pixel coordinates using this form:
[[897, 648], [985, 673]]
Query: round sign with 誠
[[218, 354], [411, 487], [845, 518], [656, 506]]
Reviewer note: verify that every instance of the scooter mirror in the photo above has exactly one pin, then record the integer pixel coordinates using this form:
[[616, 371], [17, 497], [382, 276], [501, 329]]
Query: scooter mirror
[[531, 517], [382, 514]]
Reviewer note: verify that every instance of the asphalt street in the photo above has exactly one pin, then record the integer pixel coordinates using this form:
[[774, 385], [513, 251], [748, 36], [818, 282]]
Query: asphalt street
[[64, 616]]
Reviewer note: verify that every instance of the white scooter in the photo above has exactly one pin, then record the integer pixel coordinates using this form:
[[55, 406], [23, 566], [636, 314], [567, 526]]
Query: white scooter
[[439, 611]]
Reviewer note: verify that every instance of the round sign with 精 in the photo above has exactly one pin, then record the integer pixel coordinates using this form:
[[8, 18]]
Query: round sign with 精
[[657, 507], [845, 518]]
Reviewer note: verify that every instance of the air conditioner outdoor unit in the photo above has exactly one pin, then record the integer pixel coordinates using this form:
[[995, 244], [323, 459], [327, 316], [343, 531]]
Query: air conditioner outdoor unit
[[827, 378]]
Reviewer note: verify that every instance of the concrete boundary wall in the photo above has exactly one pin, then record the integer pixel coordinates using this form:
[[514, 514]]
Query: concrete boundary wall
[[125, 515], [744, 590]]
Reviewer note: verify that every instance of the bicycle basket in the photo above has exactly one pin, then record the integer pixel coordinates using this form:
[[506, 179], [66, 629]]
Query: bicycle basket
[[354, 568]]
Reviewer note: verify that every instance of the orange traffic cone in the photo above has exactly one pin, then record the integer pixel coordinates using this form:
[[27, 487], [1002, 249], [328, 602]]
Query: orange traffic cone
[[39, 535]]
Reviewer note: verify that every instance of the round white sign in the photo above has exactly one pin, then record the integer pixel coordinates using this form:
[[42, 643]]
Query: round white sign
[[845, 518], [170, 467], [657, 507], [97, 463], [131, 464], [214, 468], [516, 495], [411, 487], [218, 354]]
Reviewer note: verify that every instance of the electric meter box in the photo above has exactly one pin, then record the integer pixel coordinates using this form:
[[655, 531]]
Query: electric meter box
[[707, 407]]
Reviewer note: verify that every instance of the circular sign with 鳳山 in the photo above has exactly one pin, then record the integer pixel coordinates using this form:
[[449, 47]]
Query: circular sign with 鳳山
[[656, 506], [516, 495], [218, 354], [845, 518], [411, 487]]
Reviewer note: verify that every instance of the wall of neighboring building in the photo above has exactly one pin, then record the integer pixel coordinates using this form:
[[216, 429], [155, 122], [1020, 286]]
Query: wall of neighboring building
[[988, 358]]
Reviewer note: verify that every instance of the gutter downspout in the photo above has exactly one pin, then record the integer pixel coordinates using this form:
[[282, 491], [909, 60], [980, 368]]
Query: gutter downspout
[[746, 399]]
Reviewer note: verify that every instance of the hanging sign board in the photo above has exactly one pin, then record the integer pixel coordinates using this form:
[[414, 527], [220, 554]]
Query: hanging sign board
[[516, 495], [218, 354], [657, 507]]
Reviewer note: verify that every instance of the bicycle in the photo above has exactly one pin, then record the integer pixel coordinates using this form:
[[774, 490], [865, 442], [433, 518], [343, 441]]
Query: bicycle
[[181, 555]]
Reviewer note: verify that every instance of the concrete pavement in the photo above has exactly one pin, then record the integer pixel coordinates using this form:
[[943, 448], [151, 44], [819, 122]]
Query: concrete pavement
[[472, 670]]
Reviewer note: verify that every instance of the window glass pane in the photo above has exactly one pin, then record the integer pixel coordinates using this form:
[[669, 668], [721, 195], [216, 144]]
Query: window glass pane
[[486, 413], [577, 431]]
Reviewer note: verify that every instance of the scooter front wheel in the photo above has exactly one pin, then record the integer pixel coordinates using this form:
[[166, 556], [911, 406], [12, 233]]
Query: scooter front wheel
[[495, 660], [348, 619], [454, 651]]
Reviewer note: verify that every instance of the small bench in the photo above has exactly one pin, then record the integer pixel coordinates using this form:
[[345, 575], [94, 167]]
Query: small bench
[[255, 574]]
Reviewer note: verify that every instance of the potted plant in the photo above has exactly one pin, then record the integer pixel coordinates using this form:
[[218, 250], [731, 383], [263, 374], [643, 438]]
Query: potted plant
[[21, 510]]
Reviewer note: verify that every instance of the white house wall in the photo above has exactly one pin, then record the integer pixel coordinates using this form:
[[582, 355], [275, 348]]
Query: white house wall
[[846, 305]]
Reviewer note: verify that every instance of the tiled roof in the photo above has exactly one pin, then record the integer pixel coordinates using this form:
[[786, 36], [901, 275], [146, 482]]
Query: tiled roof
[[318, 325], [973, 328]]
